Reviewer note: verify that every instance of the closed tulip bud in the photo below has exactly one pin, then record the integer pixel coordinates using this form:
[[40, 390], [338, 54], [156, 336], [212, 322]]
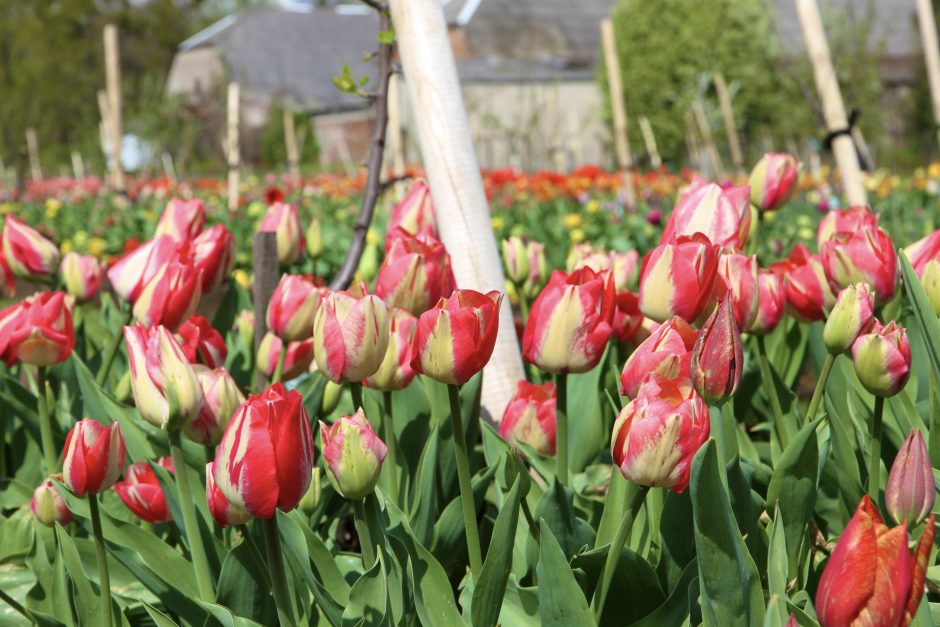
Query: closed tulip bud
[[264, 460], [923, 251], [292, 308], [882, 359], [296, 362], [332, 394], [311, 499], [81, 275], [538, 269], [530, 417], [224, 513], [723, 215], [738, 279], [396, 373], [717, 356], [871, 577], [166, 391], [171, 296], [135, 269], [587, 255], [354, 455], [214, 255], [182, 219], [47, 505], [415, 212], [142, 493], [657, 434], [201, 343], [773, 179], [677, 278], [41, 332], [628, 319], [667, 351], [516, 259], [244, 327], [804, 281], [93, 457], [772, 303], [282, 219], [570, 322], [350, 335], [863, 256], [931, 282], [369, 262], [625, 267], [416, 272], [222, 398], [911, 490], [29, 254], [848, 221], [455, 338], [314, 239], [851, 316]]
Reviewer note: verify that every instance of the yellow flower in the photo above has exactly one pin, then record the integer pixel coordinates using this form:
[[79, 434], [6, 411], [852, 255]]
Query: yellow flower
[[52, 208], [65, 246], [577, 235], [80, 238], [6, 208], [497, 223], [572, 221], [255, 209], [372, 237], [806, 233], [933, 170], [242, 278], [96, 246], [592, 206]]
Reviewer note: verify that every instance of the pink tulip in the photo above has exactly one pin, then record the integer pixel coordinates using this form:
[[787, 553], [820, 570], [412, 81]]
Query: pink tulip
[[530, 417], [773, 179], [804, 281], [848, 221], [772, 303], [911, 489], [222, 398], [182, 219], [738, 279], [201, 343], [47, 505], [667, 351], [717, 356], [293, 307], [350, 335], [415, 212], [224, 513], [396, 372], [171, 295], [93, 457], [353, 454], [677, 278], [297, 360], [135, 269], [882, 359], [416, 272], [282, 219], [863, 256], [142, 493], [81, 275], [723, 215], [214, 255], [28, 254], [40, 332]]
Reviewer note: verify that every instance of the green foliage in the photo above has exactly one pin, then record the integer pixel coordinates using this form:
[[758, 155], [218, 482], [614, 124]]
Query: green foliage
[[272, 151]]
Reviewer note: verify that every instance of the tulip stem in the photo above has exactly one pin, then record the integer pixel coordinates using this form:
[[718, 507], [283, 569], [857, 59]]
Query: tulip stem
[[561, 428], [111, 352], [190, 526], [616, 548], [103, 576], [255, 553], [279, 368], [355, 390], [365, 536], [272, 543], [767, 376], [820, 387], [466, 489], [45, 422], [6, 598], [388, 428], [530, 520], [874, 451]]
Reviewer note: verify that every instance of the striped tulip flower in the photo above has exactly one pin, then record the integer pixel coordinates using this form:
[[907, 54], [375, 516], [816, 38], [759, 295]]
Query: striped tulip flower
[[47, 505], [166, 390], [415, 212], [628, 319], [297, 360], [264, 460], [882, 359], [27, 252], [911, 489], [455, 338], [142, 493], [9, 320], [723, 215], [81, 275], [625, 267], [396, 373], [773, 179], [201, 343], [738, 279], [851, 316], [570, 322], [93, 457], [804, 281], [282, 219], [516, 259], [772, 303], [135, 269], [171, 295], [871, 577], [530, 417], [416, 272], [923, 251], [7, 282], [224, 513], [213, 255], [538, 269], [667, 351], [863, 256], [717, 356], [292, 308], [677, 278], [658, 433], [350, 335], [182, 219], [587, 255], [222, 398], [848, 221], [353, 454], [41, 333]]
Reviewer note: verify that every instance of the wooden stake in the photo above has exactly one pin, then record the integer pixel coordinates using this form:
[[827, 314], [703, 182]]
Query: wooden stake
[[112, 66], [575, 146], [395, 131], [78, 165], [454, 175], [231, 144], [731, 129], [833, 108], [32, 145], [649, 139], [698, 111], [267, 273], [691, 143], [290, 142], [169, 170], [928, 37], [619, 107]]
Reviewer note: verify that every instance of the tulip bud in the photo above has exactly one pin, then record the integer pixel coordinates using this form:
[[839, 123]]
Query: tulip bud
[[48, 506], [667, 351], [723, 215], [516, 259], [851, 316], [142, 493], [81, 275], [332, 394], [298, 358], [314, 239], [201, 343], [587, 255], [354, 455], [848, 221], [863, 256], [172, 295], [625, 267], [41, 333], [396, 373], [222, 398], [677, 278], [292, 308], [244, 327], [931, 282], [882, 359], [737, 277], [311, 499], [29, 254], [264, 460], [93, 457], [530, 417], [282, 219], [182, 219], [771, 305], [538, 269], [416, 272], [214, 255], [350, 335], [224, 513], [135, 269], [166, 390], [804, 280], [911, 490], [415, 212], [717, 356], [772, 180]]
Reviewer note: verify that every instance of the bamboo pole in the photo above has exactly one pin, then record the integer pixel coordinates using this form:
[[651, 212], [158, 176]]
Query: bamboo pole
[[169, 170], [395, 130], [32, 145], [701, 120], [833, 108], [731, 129], [78, 165], [290, 143], [928, 35], [649, 140], [575, 146], [691, 143], [231, 145], [112, 65], [619, 107], [462, 210]]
